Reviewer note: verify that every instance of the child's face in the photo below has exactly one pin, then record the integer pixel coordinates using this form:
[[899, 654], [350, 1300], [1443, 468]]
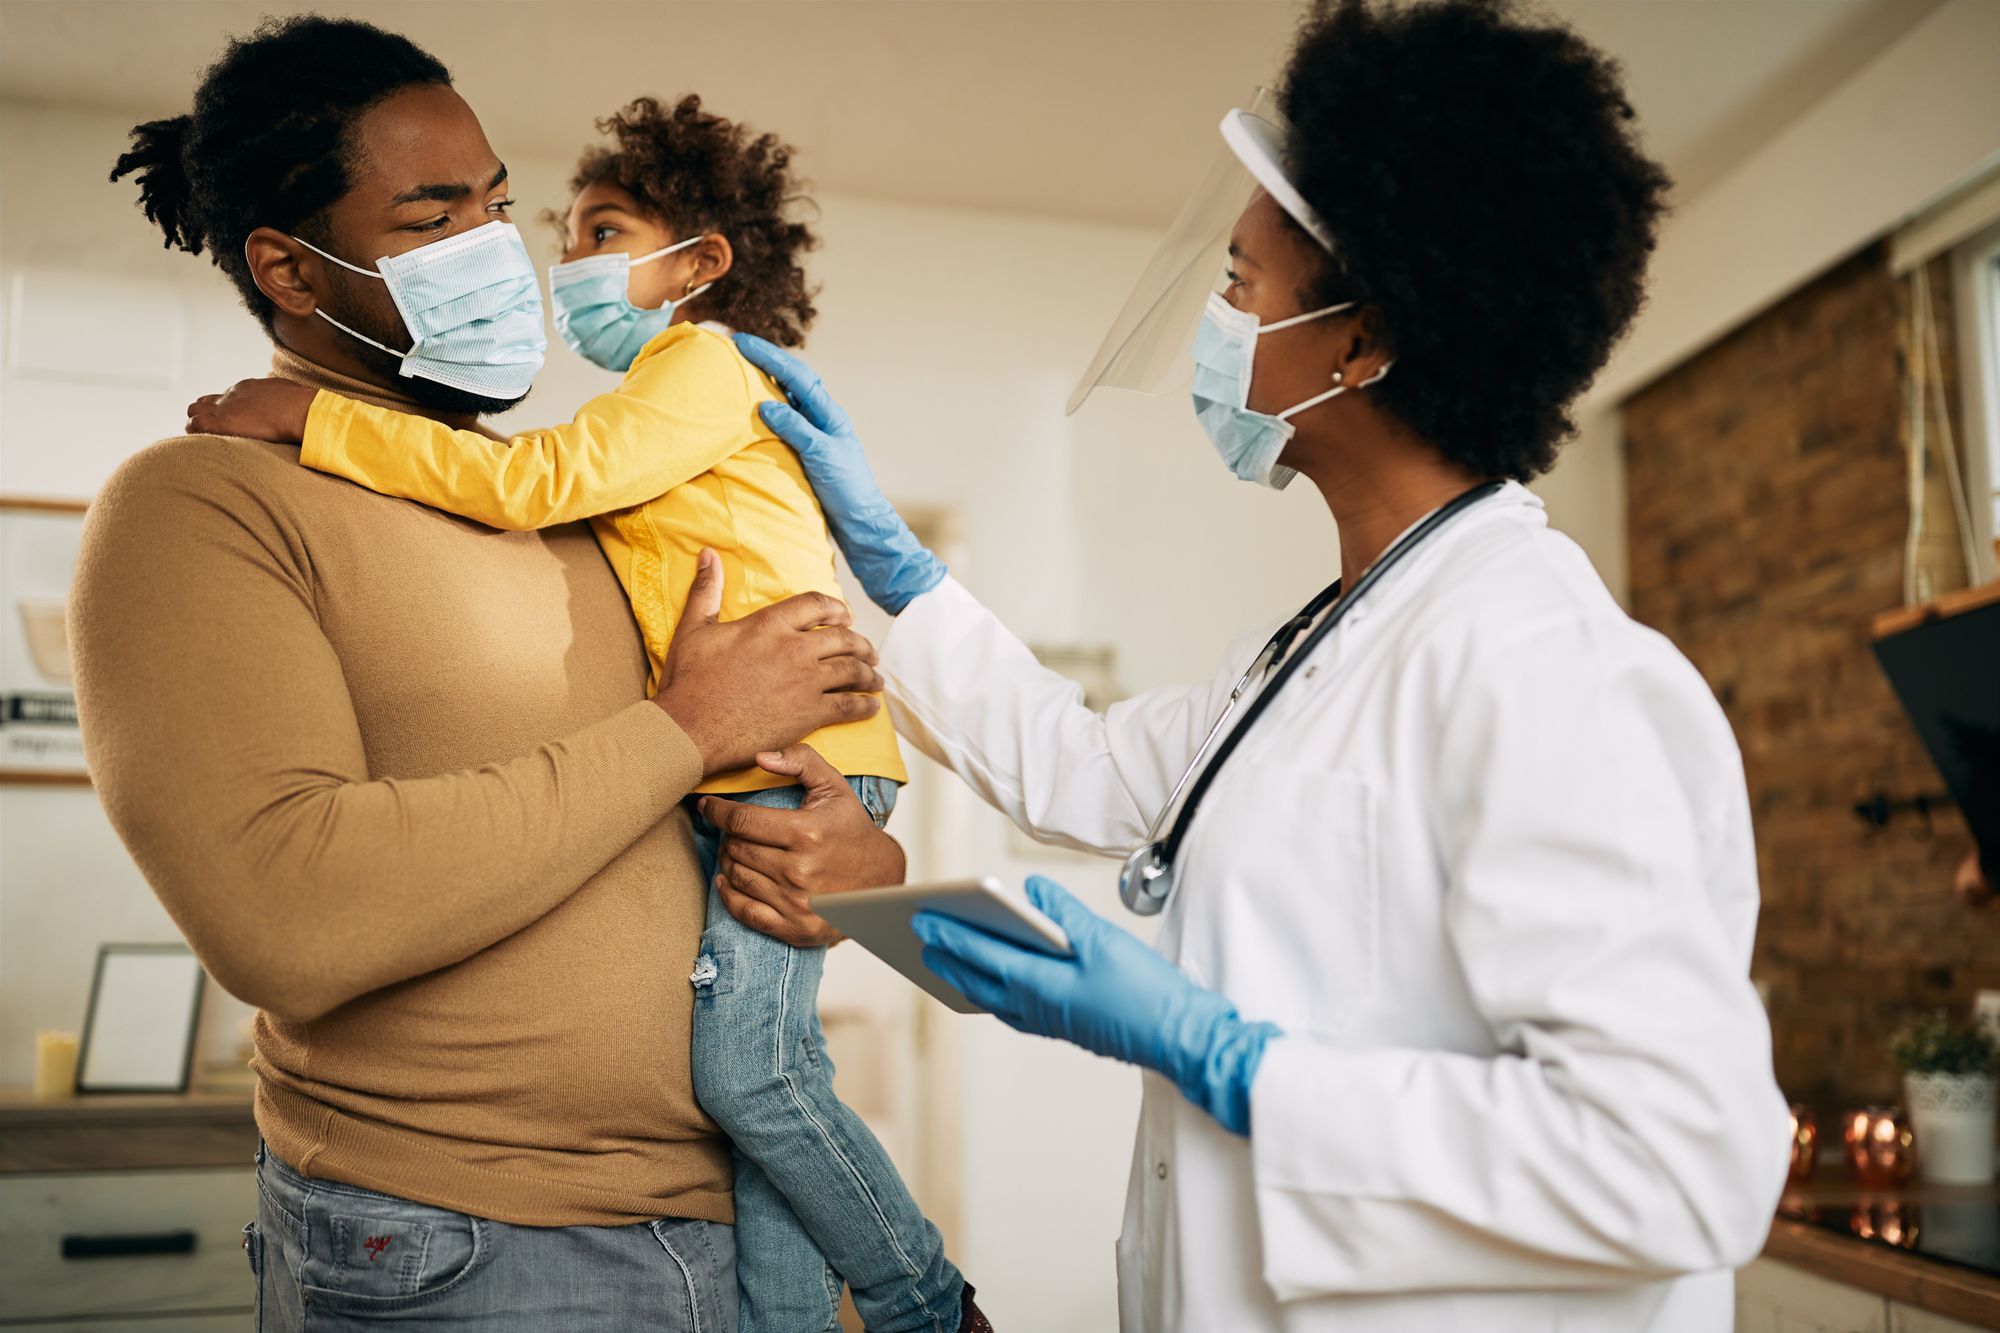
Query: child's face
[[604, 219]]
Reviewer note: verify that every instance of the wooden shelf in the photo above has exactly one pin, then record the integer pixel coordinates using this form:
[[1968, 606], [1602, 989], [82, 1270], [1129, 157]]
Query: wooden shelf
[[1942, 608], [125, 1131], [1902, 1275], [1957, 1293]]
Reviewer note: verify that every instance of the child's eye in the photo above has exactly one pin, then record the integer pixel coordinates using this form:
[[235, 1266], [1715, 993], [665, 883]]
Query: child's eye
[[1230, 274], [603, 232], [435, 224]]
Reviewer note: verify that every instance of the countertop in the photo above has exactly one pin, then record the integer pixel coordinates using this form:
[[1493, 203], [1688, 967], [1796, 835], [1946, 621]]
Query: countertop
[[1936, 1247], [122, 1131]]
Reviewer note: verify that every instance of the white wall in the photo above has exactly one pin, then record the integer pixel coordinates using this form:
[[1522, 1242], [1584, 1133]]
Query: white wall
[[954, 338], [1915, 123]]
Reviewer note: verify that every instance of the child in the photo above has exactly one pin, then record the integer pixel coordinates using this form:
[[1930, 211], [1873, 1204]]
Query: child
[[684, 219]]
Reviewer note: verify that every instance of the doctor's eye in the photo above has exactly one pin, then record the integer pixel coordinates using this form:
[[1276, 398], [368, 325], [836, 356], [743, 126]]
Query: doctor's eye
[[603, 232], [1229, 275], [499, 207], [438, 223]]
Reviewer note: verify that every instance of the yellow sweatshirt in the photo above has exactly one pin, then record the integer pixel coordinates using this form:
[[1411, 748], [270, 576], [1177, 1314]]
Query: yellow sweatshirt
[[674, 459]]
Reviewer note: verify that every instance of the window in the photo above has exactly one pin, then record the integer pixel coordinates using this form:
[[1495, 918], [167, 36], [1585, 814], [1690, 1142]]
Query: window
[[1977, 269]]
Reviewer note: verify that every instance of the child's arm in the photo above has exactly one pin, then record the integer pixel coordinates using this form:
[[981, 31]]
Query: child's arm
[[677, 414], [266, 409]]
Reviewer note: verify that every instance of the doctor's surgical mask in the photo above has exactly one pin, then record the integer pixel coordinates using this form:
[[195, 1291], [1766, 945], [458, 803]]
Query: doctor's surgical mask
[[472, 305], [594, 310], [1225, 355]]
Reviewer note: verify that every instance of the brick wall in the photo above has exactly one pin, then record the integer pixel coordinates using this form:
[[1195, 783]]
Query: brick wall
[[1767, 523]]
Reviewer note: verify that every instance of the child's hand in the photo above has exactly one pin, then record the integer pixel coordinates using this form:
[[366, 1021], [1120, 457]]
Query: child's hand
[[266, 409]]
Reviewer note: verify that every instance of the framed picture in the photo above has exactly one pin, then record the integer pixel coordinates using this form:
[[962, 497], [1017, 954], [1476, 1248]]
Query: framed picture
[[39, 740], [138, 1035]]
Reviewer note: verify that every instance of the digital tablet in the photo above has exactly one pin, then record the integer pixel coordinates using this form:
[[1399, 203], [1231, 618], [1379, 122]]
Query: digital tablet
[[879, 921]]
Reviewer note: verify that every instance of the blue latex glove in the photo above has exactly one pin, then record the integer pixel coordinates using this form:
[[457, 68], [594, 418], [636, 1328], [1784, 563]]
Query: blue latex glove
[[893, 566], [1115, 997]]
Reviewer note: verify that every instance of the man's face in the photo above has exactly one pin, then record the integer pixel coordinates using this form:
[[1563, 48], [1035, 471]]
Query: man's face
[[421, 171]]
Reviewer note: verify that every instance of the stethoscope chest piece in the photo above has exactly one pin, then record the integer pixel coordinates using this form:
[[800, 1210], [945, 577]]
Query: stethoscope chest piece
[[1147, 880]]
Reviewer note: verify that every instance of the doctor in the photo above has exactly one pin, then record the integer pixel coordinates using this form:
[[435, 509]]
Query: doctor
[[1449, 1024]]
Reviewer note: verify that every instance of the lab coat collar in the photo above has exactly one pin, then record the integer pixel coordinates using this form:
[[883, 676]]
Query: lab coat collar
[[1513, 500]]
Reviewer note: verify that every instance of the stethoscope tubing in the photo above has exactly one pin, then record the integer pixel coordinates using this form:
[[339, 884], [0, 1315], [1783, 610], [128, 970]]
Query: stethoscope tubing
[[1146, 881]]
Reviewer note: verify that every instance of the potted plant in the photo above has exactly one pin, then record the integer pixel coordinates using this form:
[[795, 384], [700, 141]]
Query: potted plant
[[1948, 1079]]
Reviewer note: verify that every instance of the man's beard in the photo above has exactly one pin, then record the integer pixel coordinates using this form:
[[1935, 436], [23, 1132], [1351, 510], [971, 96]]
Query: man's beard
[[388, 330]]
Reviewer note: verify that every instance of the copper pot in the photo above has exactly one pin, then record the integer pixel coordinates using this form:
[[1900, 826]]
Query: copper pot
[[1805, 1142], [1881, 1146], [1892, 1221]]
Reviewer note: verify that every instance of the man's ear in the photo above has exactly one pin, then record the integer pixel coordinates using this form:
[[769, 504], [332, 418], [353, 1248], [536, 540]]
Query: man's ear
[[713, 258], [278, 265]]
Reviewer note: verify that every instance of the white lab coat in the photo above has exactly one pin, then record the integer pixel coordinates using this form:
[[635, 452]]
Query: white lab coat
[[1487, 861]]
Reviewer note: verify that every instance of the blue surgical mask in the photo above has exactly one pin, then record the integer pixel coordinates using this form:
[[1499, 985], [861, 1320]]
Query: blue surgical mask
[[594, 310], [472, 307], [1225, 353]]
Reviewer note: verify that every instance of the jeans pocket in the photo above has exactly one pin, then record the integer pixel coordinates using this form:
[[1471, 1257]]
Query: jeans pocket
[[253, 1250], [708, 1279], [367, 1252], [714, 972], [878, 797]]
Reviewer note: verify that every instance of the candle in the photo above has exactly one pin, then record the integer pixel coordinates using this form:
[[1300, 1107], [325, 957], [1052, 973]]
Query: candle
[[1805, 1142], [1880, 1146], [55, 1064]]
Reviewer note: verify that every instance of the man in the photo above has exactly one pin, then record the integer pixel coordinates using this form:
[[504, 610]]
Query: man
[[394, 774]]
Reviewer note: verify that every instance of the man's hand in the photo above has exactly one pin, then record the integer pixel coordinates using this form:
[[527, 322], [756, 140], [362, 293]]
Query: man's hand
[[266, 409], [774, 861], [741, 687]]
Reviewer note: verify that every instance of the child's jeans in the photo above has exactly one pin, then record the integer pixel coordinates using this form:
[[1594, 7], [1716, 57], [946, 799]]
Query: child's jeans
[[817, 1199]]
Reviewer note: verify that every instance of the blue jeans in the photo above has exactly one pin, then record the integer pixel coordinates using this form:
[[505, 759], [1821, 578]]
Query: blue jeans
[[817, 1199], [334, 1258]]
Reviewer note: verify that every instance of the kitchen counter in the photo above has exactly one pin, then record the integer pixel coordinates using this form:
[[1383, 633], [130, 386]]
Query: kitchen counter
[[125, 1131], [1936, 1247]]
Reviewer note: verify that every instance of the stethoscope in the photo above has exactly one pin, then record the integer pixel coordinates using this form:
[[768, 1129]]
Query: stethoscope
[[1147, 880]]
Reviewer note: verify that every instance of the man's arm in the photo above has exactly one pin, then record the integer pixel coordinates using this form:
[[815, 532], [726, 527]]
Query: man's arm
[[225, 749]]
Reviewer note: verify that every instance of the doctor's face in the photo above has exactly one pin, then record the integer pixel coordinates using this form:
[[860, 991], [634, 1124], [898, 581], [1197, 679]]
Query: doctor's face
[[1274, 268]]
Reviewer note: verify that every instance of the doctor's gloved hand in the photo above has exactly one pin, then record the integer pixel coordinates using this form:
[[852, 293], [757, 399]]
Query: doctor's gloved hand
[[893, 566], [1114, 997]]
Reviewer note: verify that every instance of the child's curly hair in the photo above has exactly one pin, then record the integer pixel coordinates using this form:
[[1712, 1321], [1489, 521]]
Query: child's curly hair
[[698, 172]]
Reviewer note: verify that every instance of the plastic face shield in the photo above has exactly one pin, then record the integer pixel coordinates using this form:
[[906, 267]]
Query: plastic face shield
[[1148, 346]]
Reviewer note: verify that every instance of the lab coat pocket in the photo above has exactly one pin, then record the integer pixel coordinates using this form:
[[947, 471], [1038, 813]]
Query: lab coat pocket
[[1284, 908]]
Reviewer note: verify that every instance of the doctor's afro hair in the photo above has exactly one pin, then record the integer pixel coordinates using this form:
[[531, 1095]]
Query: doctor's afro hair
[[695, 171], [1479, 173], [266, 144]]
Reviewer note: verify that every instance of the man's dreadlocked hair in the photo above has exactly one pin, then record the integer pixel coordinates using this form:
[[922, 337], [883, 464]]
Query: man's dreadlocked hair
[[267, 142]]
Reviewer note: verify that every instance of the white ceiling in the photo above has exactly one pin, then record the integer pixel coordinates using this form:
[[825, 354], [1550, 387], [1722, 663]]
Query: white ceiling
[[1099, 109]]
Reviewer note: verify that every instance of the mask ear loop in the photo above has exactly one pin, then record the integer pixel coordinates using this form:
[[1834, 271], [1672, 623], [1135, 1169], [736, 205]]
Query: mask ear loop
[[669, 249], [1309, 315], [364, 272], [1335, 392], [690, 291]]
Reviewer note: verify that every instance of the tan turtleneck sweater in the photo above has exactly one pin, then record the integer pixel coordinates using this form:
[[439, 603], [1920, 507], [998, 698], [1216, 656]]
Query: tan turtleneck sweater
[[394, 776]]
